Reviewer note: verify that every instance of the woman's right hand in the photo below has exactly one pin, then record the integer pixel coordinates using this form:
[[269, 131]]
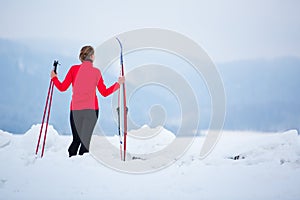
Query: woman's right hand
[[53, 74]]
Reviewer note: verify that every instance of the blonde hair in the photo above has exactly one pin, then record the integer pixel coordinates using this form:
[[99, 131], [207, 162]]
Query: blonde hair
[[86, 52]]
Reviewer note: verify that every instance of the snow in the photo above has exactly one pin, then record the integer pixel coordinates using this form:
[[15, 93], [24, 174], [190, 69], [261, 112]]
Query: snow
[[268, 167], [146, 140]]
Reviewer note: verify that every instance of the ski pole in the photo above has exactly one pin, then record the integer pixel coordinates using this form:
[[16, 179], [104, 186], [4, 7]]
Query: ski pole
[[47, 121], [43, 119], [47, 108]]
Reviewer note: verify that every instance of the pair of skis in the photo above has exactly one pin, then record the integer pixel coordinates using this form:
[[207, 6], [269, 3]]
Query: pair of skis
[[122, 109], [46, 110]]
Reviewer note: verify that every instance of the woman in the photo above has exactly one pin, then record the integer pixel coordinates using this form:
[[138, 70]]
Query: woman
[[85, 78]]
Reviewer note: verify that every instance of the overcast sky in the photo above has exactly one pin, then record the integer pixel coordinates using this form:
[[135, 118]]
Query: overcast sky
[[228, 30]]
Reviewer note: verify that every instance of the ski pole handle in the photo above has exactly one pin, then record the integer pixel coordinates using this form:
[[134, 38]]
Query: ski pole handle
[[55, 65]]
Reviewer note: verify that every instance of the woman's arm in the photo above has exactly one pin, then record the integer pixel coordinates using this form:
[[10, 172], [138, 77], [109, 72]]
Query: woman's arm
[[107, 91], [62, 86]]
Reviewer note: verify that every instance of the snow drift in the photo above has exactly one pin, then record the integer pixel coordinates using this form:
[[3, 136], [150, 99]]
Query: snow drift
[[244, 165]]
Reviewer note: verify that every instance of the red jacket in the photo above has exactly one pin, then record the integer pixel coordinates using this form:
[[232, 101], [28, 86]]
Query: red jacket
[[85, 78]]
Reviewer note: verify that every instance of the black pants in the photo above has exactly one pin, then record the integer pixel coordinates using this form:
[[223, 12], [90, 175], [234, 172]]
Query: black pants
[[82, 124]]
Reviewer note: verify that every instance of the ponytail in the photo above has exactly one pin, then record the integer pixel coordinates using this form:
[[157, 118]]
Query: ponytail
[[85, 53]]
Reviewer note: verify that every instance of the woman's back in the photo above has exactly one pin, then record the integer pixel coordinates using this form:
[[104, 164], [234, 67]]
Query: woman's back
[[84, 87]]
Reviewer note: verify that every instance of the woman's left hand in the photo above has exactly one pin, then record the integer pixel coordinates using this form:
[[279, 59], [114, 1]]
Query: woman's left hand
[[121, 80]]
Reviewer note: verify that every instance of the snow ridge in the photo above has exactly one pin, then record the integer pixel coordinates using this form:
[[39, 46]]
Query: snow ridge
[[267, 163]]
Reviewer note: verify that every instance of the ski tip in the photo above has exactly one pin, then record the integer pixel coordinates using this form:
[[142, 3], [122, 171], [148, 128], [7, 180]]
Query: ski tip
[[119, 41]]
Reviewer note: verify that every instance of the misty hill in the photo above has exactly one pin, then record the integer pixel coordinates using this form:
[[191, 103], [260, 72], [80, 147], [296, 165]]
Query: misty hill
[[261, 94]]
